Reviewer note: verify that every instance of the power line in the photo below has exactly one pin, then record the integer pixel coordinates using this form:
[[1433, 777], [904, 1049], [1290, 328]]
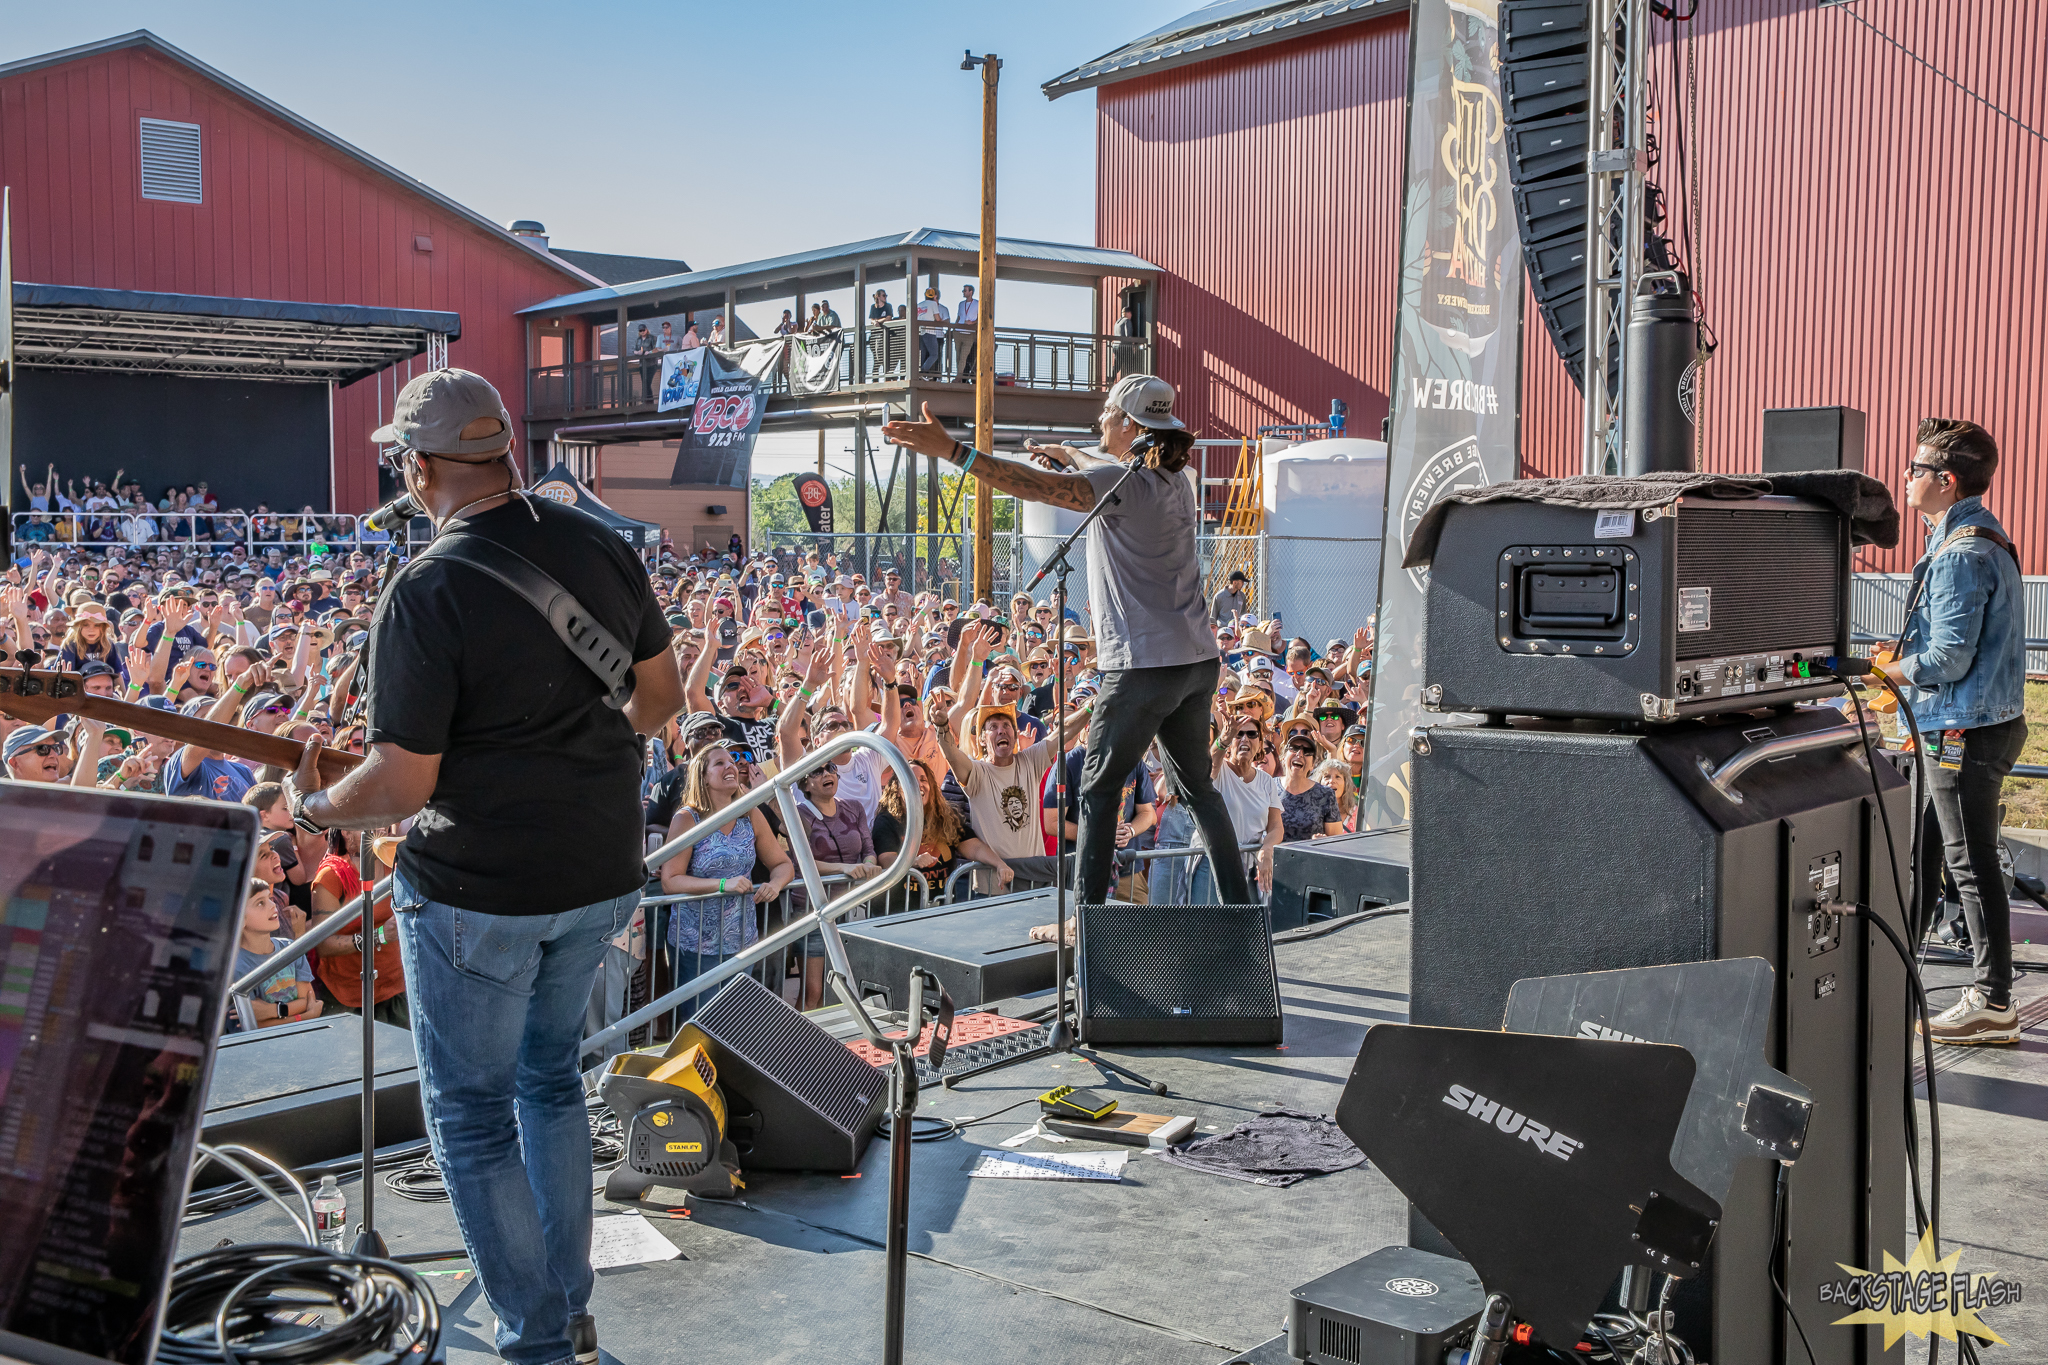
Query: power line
[[2008, 117]]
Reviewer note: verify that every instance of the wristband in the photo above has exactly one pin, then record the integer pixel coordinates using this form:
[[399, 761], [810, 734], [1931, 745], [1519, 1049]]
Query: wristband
[[971, 453], [721, 886], [241, 688]]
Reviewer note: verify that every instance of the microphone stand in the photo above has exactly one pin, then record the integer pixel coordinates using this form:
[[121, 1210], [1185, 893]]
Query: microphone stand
[[1061, 1038], [369, 1242]]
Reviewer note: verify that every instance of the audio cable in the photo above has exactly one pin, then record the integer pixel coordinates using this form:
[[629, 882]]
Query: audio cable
[[224, 1300]]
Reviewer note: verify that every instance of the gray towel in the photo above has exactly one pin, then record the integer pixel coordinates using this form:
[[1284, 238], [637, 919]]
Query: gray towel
[[1278, 1148]]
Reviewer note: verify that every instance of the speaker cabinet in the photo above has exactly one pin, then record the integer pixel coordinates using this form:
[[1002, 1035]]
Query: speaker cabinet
[[1324, 878], [1798, 439], [1544, 850], [980, 950], [797, 1098], [1195, 975]]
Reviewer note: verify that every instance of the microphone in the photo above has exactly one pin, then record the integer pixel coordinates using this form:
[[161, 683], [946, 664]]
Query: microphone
[[393, 514]]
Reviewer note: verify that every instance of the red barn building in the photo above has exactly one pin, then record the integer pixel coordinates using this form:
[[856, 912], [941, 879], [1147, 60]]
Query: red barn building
[[134, 167], [1874, 180]]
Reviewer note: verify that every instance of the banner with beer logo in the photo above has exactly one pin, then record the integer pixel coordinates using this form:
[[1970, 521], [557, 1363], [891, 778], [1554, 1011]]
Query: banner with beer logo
[[1457, 346], [814, 495], [718, 448]]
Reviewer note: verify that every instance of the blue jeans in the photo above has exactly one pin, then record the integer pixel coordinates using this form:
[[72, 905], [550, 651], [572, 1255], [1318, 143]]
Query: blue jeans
[[498, 1005]]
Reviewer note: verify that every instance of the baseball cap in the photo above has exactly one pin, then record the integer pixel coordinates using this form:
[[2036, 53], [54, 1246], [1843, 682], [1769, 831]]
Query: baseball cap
[[255, 705], [433, 409], [22, 740], [1355, 732], [699, 720], [1146, 399]]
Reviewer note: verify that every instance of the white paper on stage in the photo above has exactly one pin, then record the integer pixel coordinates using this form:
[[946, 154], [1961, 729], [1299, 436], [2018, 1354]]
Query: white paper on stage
[[627, 1239], [1046, 1166]]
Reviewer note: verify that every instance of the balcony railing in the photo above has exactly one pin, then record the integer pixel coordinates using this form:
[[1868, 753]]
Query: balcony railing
[[874, 356]]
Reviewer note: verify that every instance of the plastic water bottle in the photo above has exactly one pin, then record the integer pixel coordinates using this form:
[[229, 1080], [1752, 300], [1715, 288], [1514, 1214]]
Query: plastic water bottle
[[330, 1216]]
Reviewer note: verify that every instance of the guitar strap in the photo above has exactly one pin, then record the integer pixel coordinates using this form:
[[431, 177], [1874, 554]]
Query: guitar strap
[[1955, 538], [596, 648]]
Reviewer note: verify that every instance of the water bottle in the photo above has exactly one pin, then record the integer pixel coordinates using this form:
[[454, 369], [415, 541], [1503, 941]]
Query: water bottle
[[330, 1216]]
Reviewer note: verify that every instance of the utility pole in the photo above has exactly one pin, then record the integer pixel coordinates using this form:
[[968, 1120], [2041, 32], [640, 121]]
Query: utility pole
[[985, 332]]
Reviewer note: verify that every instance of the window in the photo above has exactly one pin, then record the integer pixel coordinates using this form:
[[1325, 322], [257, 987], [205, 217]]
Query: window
[[170, 161]]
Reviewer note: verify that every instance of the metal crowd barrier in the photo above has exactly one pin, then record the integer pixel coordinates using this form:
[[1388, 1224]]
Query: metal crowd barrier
[[338, 530], [823, 915], [780, 789]]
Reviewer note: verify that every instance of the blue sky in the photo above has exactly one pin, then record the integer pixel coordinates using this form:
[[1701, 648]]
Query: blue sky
[[711, 132]]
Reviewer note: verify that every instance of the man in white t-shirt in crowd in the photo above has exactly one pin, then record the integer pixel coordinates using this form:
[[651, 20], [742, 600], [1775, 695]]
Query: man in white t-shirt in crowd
[[1250, 794], [931, 344], [1002, 789]]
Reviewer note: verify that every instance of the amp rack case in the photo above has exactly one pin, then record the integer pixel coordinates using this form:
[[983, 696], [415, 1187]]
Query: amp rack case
[[1710, 605]]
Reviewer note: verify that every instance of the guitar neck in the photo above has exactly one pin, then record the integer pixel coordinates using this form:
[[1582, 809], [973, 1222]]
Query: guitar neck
[[41, 695]]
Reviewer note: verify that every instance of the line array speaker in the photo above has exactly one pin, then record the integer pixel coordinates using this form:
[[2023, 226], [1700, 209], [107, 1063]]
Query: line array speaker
[[1544, 102]]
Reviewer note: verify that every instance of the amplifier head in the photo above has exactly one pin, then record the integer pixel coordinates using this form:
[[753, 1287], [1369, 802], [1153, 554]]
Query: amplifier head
[[1708, 605]]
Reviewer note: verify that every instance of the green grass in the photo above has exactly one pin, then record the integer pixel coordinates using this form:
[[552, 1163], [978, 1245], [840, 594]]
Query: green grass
[[2026, 800]]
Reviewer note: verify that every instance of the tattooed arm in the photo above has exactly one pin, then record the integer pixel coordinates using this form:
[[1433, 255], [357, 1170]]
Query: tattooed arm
[[1015, 477]]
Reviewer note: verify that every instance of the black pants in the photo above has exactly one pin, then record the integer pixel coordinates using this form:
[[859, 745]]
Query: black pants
[[1134, 705], [1965, 807]]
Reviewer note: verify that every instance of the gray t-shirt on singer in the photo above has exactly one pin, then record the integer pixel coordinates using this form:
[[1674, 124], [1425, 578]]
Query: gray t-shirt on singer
[[1144, 583]]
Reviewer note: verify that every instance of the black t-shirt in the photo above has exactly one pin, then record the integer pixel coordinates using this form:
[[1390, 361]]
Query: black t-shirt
[[757, 734], [537, 807]]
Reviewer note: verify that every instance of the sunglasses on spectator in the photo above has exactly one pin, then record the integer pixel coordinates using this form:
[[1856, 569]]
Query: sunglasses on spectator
[[1248, 734], [740, 755], [47, 750], [278, 710]]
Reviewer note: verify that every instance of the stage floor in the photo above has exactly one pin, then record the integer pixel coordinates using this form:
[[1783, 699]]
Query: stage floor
[[1169, 1265]]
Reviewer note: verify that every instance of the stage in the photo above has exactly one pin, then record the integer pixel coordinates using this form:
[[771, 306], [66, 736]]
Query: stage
[[1170, 1265]]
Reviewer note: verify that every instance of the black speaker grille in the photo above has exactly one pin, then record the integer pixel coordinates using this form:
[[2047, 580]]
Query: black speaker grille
[[1188, 962], [1339, 1341], [810, 1064], [1777, 577]]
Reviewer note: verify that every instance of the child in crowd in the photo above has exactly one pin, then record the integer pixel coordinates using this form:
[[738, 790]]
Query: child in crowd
[[283, 997]]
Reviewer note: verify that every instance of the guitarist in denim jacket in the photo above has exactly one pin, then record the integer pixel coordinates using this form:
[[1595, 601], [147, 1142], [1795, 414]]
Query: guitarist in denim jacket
[[1964, 655]]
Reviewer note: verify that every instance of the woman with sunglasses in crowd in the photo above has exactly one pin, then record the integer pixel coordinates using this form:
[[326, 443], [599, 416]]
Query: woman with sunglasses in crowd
[[1308, 809], [946, 839], [707, 932]]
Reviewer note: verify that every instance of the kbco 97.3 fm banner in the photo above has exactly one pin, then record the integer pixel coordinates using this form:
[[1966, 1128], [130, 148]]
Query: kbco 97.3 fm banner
[[718, 447]]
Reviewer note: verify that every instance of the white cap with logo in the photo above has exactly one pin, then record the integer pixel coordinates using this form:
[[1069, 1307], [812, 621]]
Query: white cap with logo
[[1147, 400]]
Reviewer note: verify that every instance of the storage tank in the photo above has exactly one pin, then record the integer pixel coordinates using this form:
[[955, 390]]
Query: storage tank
[[1325, 505]]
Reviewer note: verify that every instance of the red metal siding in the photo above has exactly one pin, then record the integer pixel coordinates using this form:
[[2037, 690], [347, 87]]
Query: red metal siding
[[1266, 185], [284, 217], [1872, 235]]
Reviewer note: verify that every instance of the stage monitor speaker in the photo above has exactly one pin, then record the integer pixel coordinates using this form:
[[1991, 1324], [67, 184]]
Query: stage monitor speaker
[[1798, 439], [1541, 28], [796, 1099], [1708, 606], [1546, 850], [1194, 975], [295, 1092], [980, 950], [1324, 878]]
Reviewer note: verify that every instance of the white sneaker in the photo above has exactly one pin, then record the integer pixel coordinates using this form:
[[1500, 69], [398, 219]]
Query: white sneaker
[[1972, 1020]]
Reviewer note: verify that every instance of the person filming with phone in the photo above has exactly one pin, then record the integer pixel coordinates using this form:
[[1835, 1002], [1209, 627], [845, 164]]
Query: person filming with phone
[[1157, 654]]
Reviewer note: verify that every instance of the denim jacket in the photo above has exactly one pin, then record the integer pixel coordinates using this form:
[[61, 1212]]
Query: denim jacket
[[1965, 650]]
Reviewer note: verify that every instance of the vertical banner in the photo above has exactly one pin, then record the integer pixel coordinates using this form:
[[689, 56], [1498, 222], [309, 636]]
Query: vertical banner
[[719, 446], [1457, 345], [814, 495]]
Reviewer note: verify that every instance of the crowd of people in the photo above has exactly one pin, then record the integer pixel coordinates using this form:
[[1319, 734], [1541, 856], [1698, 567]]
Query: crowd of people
[[92, 512], [780, 652]]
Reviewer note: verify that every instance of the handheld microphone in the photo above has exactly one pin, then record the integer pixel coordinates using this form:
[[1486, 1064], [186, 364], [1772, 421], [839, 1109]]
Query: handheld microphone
[[393, 514]]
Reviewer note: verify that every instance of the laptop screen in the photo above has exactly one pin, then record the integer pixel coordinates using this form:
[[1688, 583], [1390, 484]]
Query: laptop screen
[[119, 917]]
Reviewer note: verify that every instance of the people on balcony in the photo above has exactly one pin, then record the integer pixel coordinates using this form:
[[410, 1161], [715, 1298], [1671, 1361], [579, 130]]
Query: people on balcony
[[967, 316], [931, 343]]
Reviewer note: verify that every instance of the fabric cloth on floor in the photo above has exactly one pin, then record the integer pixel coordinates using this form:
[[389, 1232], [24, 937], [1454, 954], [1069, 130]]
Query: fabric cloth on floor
[[1280, 1148], [1873, 518]]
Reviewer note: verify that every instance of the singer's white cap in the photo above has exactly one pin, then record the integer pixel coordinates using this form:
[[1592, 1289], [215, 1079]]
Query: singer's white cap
[[1148, 399], [434, 409]]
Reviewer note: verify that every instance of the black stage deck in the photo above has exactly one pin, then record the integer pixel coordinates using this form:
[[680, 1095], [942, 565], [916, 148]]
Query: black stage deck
[[1170, 1265]]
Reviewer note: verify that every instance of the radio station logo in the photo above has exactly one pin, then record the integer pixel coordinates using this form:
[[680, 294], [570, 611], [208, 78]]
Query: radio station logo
[[1922, 1296]]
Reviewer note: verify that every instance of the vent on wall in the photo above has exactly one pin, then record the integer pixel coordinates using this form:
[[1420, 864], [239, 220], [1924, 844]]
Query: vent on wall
[[170, 161]]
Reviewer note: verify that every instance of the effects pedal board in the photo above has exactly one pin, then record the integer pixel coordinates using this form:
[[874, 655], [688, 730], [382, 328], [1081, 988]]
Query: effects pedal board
[[978, 1039]]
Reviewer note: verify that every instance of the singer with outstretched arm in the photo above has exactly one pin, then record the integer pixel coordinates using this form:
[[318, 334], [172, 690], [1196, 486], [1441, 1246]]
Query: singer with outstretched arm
[[1157, 653], [525, 858]]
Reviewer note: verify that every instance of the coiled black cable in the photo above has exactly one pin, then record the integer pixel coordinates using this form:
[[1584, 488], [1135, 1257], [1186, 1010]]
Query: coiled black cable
[[223, 1301]]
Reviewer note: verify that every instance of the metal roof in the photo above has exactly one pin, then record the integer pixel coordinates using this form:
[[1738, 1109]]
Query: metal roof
[[72, 327], [1010, 252], [1214, 30], [608, 268], [143, 38]]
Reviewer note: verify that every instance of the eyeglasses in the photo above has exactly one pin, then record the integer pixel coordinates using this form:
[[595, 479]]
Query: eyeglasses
[[275, 710], [47, 750], [203, 668], [1916, 469], [1248, 734]]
